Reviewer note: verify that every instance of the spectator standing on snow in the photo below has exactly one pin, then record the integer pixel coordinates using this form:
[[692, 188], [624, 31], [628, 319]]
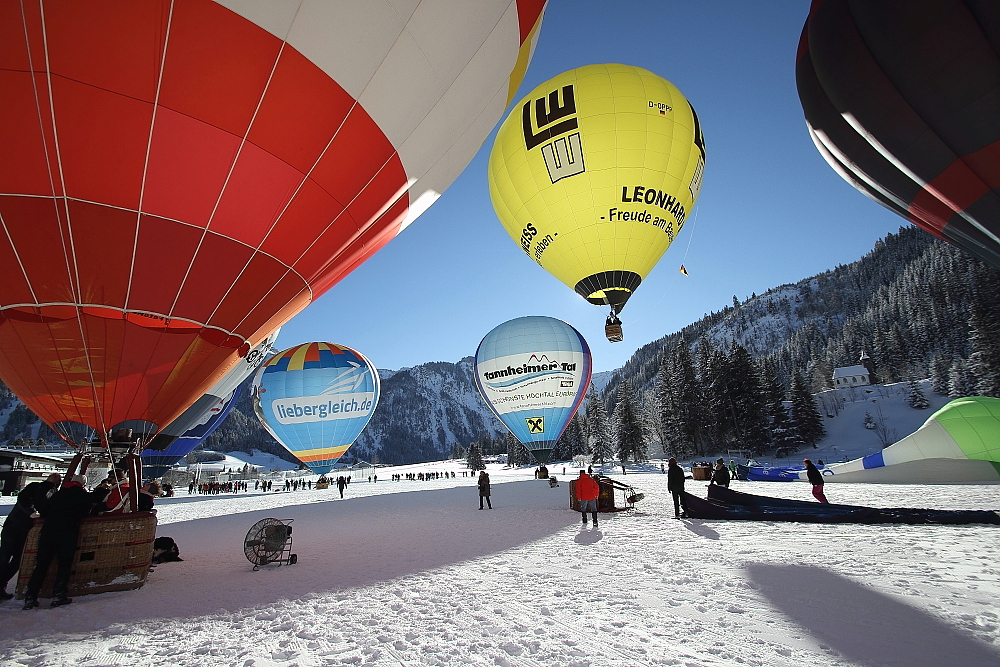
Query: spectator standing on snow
[[675, 485], [17, 525], [721, 474], [57, 539], [816, 479], [341, 485], [484, 489], [587, 491]]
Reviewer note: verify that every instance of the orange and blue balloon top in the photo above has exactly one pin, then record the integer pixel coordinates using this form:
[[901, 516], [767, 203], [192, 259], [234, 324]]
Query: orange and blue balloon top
[[313, 355]]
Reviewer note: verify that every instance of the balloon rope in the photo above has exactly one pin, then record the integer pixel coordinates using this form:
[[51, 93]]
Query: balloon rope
[[643, 312]]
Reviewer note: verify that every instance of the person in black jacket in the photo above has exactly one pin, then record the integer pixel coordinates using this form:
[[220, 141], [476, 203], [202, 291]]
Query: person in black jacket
[[484, 489], [720, 475], [816, 479], [675, 485], [16, 526], [58, 539]]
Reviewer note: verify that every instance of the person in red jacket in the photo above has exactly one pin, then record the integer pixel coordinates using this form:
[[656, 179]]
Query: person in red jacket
[[587, 492]]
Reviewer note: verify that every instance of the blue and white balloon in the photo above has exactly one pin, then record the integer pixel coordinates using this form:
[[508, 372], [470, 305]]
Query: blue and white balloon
[[533, 372]]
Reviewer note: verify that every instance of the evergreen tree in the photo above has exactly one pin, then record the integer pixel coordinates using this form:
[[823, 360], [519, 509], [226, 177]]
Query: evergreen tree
[[821, 374], [561, 447], [807, 423], [940, 366], [959, 380], [517, 454], [662, 407], [597, 429], [626, 430], [576, 438], [649, 425], [474, 458], [688, 403], [868, 422], [746, 400], [570, 442], [783, 437], [711, 366], [915, 398], [984, 363]]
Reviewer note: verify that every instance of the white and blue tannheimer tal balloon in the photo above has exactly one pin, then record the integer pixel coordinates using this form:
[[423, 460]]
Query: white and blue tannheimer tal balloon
[[533, 372], [315, 399]]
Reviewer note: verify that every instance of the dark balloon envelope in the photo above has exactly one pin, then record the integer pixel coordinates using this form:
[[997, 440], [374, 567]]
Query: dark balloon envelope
[[902, 99]]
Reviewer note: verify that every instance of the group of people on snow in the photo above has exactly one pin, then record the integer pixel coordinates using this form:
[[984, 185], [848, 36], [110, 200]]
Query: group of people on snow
[[63, 504]]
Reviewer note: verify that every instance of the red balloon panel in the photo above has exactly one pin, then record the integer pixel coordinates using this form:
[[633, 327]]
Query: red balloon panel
[[258, 189], [262, 270], [102, 242], [101, 142], [25, 164], [303, 108], [306, 217], [356, 154], [111, 46], [34, 239], [191, 157], [218, 262], [217, 65], [163, 253]]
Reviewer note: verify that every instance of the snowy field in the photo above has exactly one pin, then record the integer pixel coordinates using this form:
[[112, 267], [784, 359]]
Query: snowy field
[[411, 573]]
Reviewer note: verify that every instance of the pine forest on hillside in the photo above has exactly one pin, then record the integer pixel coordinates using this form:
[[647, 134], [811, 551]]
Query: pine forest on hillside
[[739, 378]]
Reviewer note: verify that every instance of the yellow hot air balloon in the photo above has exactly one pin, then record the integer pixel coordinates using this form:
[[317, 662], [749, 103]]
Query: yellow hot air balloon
[[594, 173]]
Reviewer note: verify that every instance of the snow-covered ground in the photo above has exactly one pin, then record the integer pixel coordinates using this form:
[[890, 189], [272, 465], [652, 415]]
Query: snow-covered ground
[[412, 573]]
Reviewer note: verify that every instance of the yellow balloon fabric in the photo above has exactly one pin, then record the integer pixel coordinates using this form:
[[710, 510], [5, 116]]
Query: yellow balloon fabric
[[594, 173]]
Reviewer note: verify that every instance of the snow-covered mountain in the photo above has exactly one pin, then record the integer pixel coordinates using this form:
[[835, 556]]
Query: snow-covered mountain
[[425, 411]]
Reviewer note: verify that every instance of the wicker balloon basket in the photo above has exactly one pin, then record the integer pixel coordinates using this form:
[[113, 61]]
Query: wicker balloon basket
[[112, 554]]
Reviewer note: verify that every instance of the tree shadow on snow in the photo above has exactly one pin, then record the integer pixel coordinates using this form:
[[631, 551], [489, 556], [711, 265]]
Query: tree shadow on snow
[[341, 545], [863, 625]]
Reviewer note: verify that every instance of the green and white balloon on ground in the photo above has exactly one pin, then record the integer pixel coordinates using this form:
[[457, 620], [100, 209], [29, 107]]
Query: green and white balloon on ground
[[960, 443]]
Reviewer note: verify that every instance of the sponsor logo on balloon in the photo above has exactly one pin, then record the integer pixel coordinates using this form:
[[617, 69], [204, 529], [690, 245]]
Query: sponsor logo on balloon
[[651, 196], [563, 156], [548, 115], [303, 409], [529, 232], [535, 424], [529, 368]]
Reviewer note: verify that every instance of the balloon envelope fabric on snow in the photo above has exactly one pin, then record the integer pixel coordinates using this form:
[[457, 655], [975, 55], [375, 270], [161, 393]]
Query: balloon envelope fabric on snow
[[180, 177], [315, 399], [958, 444], [533, 372]]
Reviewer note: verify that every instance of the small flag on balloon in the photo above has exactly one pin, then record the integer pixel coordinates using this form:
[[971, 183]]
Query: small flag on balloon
[[683, 270]]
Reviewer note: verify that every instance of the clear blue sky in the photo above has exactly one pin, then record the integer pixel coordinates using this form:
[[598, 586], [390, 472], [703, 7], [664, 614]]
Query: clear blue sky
[[770, 212]]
